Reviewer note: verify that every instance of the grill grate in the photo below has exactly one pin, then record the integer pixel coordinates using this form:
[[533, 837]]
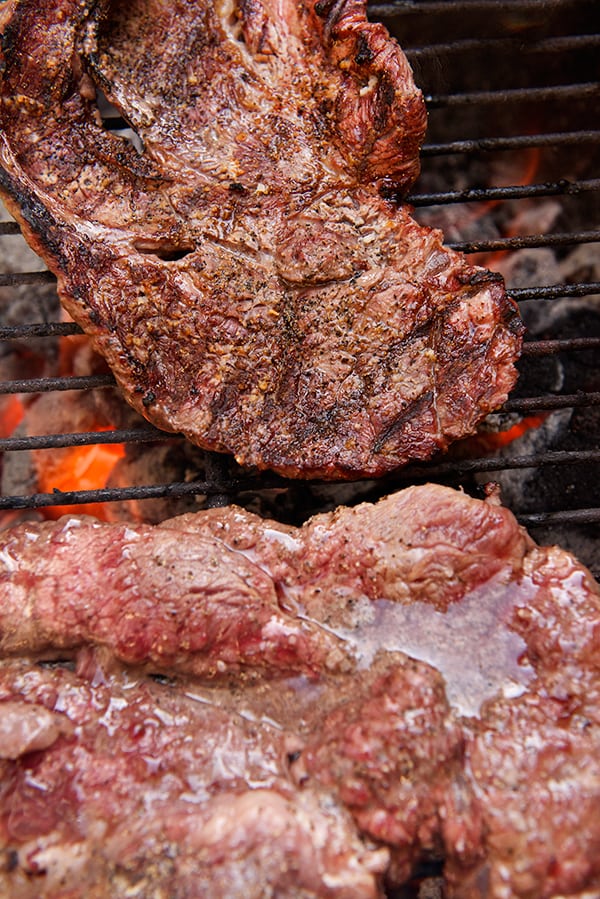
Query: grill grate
[[477, 115]]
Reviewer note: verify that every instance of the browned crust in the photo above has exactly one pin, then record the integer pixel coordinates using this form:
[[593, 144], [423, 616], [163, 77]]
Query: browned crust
[[244, 278]]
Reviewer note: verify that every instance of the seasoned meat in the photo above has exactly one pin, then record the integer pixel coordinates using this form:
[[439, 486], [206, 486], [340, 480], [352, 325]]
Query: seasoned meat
[[416, 676], [240, 268], [143, 790], [220, 591]]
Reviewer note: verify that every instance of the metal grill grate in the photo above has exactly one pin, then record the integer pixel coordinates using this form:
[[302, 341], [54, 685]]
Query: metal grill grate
[[478, 115]]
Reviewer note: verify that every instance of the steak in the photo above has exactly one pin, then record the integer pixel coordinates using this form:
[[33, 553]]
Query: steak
[[242, 267], [124, 787], [222, 704]]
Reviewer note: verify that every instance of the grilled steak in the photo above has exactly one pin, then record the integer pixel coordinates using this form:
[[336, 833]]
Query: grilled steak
[[417, 675], [240, 269]]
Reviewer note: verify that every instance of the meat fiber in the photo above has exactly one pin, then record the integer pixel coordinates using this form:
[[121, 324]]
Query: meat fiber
[[315, 711], [239, 267], [221, 592], [144, 790]]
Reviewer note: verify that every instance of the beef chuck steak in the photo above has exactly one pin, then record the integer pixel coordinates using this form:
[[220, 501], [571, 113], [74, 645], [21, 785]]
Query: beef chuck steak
[[415, 677], [241, 270]]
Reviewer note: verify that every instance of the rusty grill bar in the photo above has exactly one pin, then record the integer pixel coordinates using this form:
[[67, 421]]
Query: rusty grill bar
[[582, 92]]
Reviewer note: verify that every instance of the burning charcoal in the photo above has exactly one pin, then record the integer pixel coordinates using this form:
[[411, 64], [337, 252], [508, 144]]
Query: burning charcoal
[[528, 268], [160, 463], [573, 429], [71, 467]]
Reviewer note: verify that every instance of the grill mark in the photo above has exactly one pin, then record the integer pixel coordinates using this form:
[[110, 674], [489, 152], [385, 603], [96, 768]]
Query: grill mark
[[30, 211], [414, 408], [434, 372], [363, 53]]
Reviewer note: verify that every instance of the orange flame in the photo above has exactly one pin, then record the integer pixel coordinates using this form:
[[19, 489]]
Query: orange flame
[[488, 442], [66, 469], [503, 438], [79, 468], [532, 163]]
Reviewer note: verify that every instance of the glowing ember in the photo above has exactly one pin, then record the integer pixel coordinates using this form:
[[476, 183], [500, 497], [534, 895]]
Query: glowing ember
[[503, 438], [529, 163], [488, 442], [66, 469], [78, 468]]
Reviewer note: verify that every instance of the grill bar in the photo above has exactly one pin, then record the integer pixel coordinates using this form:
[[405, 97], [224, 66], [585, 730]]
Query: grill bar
[[85, 438], [564, 516], [149, 435], [514, 94], [14, 279], [9, 228], [551, 401], [511, 192], [501, 463], [555, 291], [503, 243], [153, 435], [527, 241], [60, 329], [531, 348], [17, 279], [46, 385], [459, 146], [551, 347], [514, 142], [120, 494], [387, 10], [476, 145], [560, 44], [40, 329], [237, 485]]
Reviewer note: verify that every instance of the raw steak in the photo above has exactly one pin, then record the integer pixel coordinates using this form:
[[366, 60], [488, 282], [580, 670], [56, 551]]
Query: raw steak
[[119, 787], [416, 675], [241, 269]]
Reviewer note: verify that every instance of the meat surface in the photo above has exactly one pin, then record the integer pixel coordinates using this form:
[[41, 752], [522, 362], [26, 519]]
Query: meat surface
[[144, 790], [221, 591], [314, 711], [240, 267]]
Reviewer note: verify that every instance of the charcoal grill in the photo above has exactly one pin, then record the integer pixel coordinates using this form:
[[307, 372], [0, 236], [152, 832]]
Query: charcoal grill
[[502, 78]]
